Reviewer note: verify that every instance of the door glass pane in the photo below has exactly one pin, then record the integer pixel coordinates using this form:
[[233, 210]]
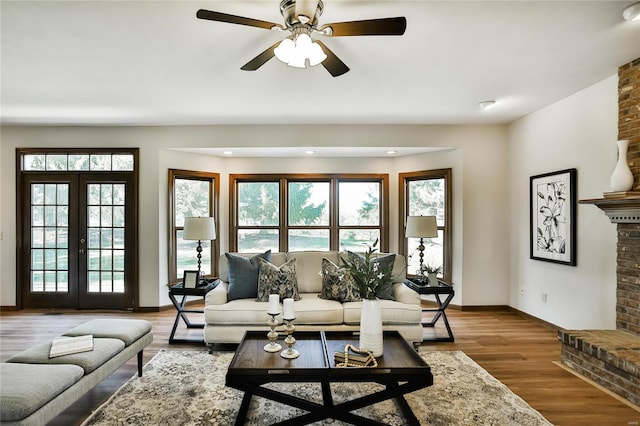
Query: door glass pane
[[122, 162], [359, 203], [56, 162], [78, 162], [49, 224], [105, 238]]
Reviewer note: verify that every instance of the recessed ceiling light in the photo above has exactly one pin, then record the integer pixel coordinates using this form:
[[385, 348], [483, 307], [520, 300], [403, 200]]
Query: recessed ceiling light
[[632, 13], [309, 152], [227, 152], [391, 151], [485, 105]]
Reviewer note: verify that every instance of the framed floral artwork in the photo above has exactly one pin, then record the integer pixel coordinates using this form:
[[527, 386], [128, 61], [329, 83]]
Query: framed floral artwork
[[553, 217]]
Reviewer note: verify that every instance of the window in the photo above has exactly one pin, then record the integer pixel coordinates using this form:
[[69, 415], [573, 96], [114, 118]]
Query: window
[[310, 212], [427, 193], [191, 194]]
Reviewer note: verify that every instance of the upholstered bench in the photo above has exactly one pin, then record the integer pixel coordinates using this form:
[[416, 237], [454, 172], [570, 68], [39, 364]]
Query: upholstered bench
[[35, 388]]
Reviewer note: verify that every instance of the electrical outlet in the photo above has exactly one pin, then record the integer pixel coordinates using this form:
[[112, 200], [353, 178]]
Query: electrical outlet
[[521, 291], [544, 297]]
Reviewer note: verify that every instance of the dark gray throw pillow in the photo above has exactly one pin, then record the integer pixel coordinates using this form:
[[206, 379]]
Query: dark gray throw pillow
[[243, 275]]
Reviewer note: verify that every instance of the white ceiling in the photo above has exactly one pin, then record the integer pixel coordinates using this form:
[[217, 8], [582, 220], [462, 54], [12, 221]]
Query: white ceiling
[[154, 63]]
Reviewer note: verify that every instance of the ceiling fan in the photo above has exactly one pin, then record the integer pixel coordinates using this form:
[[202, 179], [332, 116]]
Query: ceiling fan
[[301, 19]]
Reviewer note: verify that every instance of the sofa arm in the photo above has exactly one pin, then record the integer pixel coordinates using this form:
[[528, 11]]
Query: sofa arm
[[217, 296], [402, 293]]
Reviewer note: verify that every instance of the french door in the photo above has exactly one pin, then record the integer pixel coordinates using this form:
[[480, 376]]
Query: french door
[[78, 240]]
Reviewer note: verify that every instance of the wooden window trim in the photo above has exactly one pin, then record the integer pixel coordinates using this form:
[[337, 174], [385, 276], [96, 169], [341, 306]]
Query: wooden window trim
[[334, 228], [214, 191], [403, 179]]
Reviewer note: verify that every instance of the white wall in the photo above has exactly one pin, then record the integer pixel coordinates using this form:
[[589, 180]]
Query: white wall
[[578, 132], [476, 154]]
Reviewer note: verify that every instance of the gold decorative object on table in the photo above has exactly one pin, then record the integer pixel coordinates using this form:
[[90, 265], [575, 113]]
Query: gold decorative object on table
[[355, 357]]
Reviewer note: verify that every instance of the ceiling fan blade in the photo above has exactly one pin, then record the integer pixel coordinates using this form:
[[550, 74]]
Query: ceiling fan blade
[[333, 64], [382, 26], [261, 59], [233, 19]]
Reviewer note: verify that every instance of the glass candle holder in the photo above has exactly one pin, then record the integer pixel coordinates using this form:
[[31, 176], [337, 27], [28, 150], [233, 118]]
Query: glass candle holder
[[272, 335], [289, 328]]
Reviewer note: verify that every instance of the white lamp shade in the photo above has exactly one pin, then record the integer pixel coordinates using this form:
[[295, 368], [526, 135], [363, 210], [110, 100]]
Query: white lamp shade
[[199, 228], [421, 227]]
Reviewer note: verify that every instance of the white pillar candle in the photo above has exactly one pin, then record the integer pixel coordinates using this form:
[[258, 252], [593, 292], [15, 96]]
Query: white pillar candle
[[289, 312], [274, 304]]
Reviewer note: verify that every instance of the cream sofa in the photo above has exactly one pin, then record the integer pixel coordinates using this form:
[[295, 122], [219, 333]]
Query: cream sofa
[[226, 321]]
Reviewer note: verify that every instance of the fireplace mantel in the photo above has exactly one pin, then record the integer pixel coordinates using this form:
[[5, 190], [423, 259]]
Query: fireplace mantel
[[619, 207]]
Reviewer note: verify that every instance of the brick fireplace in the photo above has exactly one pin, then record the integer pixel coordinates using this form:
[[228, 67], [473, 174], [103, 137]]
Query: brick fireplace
[[611, 358]]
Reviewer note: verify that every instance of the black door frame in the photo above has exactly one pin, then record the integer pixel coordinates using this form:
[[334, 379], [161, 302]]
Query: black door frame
[[23, 242]]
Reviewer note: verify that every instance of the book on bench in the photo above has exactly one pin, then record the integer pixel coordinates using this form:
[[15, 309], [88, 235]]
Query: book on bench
[[71, 345]]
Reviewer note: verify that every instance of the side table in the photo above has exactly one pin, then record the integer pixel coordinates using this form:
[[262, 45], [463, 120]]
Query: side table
[[179, 290], [441, 288]]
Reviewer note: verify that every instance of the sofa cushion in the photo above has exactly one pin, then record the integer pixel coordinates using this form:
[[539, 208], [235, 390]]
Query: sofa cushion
[[281, 280], [127, 330], [385, 262], [310, 309], [337, 284], [392, 312], [243, 275], [103, 350], [24, 388], [309, 266]]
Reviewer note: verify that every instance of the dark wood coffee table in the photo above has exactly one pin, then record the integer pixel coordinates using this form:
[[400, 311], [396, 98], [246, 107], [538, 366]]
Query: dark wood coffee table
[[401, 370]]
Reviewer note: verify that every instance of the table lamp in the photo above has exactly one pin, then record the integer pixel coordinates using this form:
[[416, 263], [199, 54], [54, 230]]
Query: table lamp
[[199, 228], [421, 227]]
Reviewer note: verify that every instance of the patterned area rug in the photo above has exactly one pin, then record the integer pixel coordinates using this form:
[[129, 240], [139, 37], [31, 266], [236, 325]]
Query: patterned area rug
[[187, 388]]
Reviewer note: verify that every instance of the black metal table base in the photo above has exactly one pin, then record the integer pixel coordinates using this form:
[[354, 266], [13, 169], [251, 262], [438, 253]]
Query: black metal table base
[[329, 410], [182, 312], [440, 313], [441, 288]]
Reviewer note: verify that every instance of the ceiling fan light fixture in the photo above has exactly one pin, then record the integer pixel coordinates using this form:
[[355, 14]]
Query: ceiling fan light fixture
[[632, 13], [285, 50], [295, 52]]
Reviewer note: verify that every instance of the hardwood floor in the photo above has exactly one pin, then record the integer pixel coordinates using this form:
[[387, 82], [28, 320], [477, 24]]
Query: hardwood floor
[[518, 351]]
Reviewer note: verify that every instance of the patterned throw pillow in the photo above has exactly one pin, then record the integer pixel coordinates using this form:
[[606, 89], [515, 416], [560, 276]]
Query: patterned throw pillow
[[243, 275], [385, 261], [277, 280], [336, 284]]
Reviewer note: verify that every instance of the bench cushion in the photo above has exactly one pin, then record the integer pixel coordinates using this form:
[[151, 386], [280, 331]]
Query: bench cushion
[[24, 388], [127, 330], [103, 350]]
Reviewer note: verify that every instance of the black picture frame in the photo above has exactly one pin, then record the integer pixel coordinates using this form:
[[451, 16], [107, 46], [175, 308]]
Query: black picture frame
[[190, 279], [553, 204]]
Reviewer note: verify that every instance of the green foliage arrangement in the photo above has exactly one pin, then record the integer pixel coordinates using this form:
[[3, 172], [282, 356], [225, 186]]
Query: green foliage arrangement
[[369, 275]]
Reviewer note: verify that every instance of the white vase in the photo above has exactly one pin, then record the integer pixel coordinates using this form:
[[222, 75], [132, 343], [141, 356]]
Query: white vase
[[371, 327], [622, 178]]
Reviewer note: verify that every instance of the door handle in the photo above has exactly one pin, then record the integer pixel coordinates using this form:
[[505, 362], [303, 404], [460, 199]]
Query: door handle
[[81, 251], [82, 241]]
